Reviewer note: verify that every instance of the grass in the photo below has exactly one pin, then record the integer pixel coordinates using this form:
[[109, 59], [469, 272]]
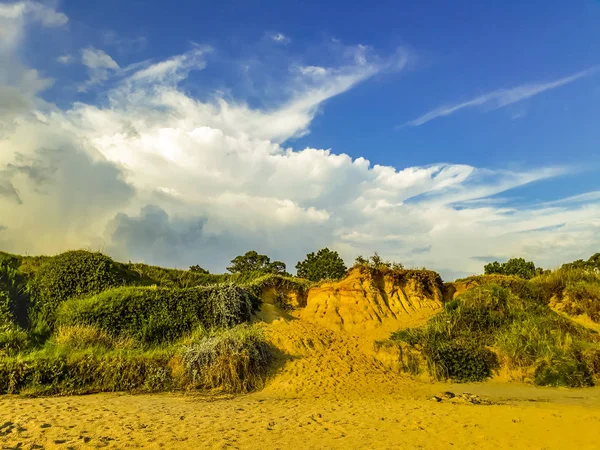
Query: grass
[[489, 325], [80, 322], [235, 360], [83, 360]]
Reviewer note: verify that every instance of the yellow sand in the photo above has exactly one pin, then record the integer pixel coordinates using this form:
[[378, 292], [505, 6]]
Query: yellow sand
[[328, 392]]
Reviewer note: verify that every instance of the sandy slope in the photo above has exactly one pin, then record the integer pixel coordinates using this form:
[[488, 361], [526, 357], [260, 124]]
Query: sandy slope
[[328, 392]]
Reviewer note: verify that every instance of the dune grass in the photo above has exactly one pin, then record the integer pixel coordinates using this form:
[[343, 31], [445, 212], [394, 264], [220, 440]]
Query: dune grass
[[490, 325]]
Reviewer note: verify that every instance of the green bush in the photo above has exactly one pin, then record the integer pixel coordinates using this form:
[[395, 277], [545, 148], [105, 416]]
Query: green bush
[[584, 298], [14, 340], [173, 278], [73, 274], [515, 266], [564, 370], [324, 265], [525, 333], [461, 362], [155, 315], [235, 360], [84, 373]]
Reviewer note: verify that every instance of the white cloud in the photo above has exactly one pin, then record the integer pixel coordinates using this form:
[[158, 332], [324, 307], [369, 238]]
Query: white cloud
[[280, 38], [156, 174], [65, 59], [500, 98], [99, 64], [14, 15]]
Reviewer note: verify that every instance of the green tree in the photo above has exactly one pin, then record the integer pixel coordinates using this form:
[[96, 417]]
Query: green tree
[[514, 266], [324, 265], [254, 262], [196, 268]]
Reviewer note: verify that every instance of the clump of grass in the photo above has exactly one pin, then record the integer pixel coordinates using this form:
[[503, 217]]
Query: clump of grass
[[79, 337], [14, 340], [235, 360]]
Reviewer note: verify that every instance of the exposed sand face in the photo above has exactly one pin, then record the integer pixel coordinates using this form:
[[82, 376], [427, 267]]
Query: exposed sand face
[[328, 392]]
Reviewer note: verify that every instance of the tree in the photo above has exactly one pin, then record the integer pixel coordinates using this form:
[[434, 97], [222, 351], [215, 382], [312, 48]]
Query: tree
[[254, 262], [514, 266], [592, 264], [324, 265], [197, 269]]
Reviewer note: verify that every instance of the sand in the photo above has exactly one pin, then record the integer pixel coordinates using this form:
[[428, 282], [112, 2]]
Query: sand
[[328, 391], [552, 420]]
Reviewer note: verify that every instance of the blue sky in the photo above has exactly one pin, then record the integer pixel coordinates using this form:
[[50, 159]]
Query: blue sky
[[503, 96]]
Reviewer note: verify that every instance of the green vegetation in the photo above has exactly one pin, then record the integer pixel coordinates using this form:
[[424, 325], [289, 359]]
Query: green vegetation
[[376, 262], [252, 262], [515, 266], [235, 360], [324, 265], [80, 322], [490, 324], [157, 315]]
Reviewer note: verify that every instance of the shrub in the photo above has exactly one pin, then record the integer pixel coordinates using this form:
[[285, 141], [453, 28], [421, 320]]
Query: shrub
[[563, 370], [235, 360], [154, 315], [153, 275], [553, 284], [515, 266], [533, 337], [461, 362], [73, 274], [584, 297], [84, 373], [13, 340]]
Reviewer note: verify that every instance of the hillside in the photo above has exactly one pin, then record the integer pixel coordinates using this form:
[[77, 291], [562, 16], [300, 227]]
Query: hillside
[[80, 322]]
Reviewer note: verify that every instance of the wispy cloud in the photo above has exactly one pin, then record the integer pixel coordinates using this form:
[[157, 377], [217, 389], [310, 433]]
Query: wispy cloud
[[500, 98], [99, 64], [280, 38], [65, 59]]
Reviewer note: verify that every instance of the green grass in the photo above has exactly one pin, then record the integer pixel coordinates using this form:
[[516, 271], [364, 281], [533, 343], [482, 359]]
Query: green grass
[[86, 360], [489, 325], [152, 315]]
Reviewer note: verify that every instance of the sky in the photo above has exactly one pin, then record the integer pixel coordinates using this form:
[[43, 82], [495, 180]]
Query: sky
[[440, 134]]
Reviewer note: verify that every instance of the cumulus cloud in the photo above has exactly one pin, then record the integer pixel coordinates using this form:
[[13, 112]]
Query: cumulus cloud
[[158, 175], [500, 98], [14, 15]]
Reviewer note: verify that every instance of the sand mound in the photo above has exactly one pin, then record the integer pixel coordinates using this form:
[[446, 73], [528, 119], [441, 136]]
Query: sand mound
[[374, 304], [318, 362]]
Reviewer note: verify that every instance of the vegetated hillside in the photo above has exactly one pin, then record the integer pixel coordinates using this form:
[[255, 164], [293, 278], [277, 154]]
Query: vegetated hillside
[[80, 322], [507, 325]]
